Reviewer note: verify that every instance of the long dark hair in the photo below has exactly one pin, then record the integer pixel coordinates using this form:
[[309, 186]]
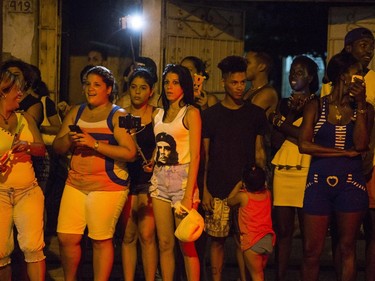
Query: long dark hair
[[186, 83]]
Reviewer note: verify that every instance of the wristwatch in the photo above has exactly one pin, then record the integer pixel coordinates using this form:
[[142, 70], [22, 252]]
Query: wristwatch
[[96, 145]]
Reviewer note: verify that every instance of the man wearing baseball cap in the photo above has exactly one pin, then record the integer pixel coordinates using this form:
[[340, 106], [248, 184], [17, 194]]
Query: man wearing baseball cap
[[360, 42]]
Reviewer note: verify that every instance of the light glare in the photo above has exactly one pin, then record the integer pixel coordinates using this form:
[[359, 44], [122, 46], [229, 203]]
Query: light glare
[[135, 22]]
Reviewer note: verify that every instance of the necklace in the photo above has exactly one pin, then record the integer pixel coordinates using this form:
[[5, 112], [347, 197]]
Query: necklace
[[257, 88], [253, 91], [338, 114], [6, 118], [132, 111], [295, 102]]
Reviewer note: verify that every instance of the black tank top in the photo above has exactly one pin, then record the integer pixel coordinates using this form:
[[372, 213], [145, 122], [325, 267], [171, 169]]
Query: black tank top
[[146, 141]]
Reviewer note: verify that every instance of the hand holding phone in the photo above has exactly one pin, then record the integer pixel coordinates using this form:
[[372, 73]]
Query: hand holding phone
[[198, 81], [356, 82], [356, 77]]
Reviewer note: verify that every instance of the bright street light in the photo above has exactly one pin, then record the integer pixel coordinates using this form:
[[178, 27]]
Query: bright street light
[[132, 22]]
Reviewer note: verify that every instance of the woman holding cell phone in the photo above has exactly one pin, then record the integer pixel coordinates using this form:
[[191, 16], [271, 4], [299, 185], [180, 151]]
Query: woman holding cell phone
[[97, 185], [335, 131], [21, 198]]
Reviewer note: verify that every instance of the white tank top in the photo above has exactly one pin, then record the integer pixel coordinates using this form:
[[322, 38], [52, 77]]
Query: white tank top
[[172, 139]]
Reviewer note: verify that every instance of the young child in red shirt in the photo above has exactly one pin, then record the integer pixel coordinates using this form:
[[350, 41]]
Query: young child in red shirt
[[256, 235]]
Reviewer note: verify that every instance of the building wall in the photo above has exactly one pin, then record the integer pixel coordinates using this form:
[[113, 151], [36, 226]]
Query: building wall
[[31, 32], [207, 33], [20, 21]]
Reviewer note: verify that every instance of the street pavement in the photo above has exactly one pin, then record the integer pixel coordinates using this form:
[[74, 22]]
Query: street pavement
[[230, 271]]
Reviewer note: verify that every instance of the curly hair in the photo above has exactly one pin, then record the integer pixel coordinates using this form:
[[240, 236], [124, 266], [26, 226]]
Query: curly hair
[[232, 64]]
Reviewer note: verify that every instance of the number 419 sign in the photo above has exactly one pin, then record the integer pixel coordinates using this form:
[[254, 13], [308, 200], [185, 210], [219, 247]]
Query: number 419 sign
[[20, 6]]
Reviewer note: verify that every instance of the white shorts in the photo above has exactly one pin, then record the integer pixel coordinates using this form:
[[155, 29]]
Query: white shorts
[[98, 210]]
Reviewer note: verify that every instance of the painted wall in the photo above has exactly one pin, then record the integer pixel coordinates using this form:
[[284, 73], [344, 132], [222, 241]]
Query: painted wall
[[20, 29]]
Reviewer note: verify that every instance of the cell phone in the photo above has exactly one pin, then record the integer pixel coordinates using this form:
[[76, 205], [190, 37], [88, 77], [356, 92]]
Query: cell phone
[[360, 77], [75, 128], [198, 81]]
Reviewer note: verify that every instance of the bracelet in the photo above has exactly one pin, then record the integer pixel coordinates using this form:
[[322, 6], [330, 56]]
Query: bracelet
[[96, 145], [279, 123], [28, 150]]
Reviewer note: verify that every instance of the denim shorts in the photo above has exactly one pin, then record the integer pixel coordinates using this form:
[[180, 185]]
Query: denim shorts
[[142, 188], [168, 183]]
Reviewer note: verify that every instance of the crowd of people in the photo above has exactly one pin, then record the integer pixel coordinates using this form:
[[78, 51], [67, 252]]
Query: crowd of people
[[248, 163]]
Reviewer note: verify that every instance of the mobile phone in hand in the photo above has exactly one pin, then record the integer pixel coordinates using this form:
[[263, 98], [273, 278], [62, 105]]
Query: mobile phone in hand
[[75, 128], [359, 77], [354, 77]]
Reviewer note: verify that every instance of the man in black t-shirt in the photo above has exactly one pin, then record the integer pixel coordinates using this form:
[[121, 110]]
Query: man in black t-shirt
[[232, 133]]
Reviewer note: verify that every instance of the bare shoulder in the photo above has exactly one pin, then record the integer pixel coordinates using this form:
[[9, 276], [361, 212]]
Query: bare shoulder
[[120, 111], [155, 112], [29, 118], [74, 109], [115, 119], [192, 110], [312, 105], [266, 99], [268, 93]]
